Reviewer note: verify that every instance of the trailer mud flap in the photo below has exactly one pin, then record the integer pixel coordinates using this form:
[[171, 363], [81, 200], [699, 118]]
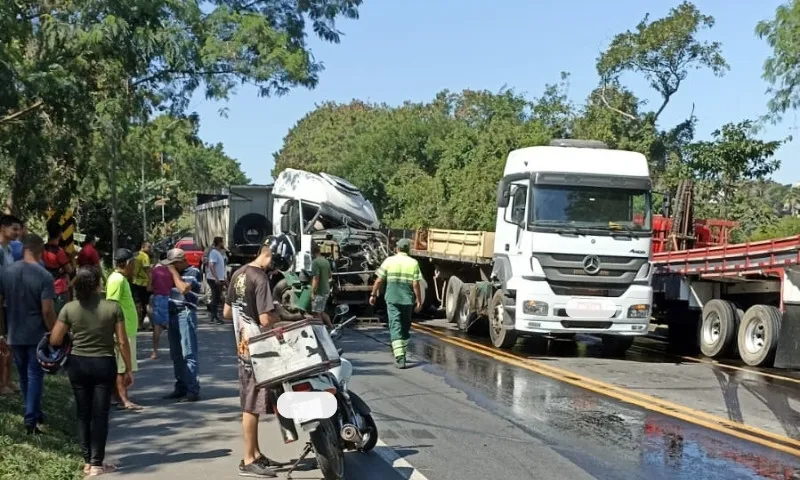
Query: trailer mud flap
[[787, 354]]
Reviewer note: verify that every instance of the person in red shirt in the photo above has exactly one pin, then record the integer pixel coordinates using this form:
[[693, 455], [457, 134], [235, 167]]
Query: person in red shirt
[[57, 262], [89, 256]]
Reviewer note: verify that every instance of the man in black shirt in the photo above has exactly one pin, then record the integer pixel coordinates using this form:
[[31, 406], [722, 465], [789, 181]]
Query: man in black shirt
[[250, 305]]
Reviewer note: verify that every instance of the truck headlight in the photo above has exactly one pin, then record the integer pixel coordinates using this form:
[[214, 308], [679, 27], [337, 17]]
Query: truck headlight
[[641, 310], [532, 307]]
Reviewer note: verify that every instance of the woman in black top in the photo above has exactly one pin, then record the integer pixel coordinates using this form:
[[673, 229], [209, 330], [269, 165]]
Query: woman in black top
[[92, 368]]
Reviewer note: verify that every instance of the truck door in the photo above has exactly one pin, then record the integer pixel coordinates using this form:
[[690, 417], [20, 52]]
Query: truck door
[[516, 219]]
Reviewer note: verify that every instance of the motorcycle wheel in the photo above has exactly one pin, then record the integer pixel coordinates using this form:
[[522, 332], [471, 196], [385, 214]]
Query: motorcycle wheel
[[372, 436], [328, 450]]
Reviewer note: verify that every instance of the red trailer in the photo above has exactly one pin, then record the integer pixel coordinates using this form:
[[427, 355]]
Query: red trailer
[[733, 299]]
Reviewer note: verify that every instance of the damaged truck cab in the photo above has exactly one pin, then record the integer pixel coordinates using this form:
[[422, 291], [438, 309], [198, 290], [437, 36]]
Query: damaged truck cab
[[307, 207]]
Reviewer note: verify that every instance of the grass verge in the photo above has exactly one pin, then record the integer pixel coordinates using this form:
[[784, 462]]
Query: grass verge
[[55, 455]]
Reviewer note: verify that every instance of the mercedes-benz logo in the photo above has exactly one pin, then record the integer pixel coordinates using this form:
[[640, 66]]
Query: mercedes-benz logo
[[591, 264]]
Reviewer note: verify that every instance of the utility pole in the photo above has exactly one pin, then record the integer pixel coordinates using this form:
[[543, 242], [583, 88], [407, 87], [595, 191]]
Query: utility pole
[[144, 206], [163, 192], [113, 184]]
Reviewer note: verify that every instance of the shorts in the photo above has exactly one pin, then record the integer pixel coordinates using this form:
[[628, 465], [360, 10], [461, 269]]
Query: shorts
[[319, 303], [140, 295], [254, 400], [159, 314], [121, 362]]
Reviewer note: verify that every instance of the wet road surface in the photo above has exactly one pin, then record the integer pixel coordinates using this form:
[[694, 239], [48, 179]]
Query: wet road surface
[[768, 399], [461, 415]]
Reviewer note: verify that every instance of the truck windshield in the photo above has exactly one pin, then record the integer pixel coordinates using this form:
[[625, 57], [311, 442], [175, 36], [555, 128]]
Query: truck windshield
[[591, 207]]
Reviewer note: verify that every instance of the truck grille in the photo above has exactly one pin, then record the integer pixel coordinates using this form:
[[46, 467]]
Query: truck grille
[[566, 275]]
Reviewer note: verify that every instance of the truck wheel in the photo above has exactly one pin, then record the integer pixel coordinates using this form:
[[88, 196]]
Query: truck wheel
[[283, 292], [758, 335], [616, 346], [501, 336], [718, 327], [452, 297], [462, 316]]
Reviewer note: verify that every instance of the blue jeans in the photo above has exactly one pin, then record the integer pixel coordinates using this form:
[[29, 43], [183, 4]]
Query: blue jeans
[[31, 382], [182, 333]]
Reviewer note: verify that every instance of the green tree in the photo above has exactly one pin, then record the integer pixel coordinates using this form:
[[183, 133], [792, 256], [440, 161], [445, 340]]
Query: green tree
[[782, 69]]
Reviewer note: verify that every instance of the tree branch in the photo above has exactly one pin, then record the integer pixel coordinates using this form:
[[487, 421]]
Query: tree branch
[[608, 105], [187, 73], [13, 116]]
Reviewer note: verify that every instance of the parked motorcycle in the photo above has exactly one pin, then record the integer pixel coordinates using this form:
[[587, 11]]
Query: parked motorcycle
[[350, 428]]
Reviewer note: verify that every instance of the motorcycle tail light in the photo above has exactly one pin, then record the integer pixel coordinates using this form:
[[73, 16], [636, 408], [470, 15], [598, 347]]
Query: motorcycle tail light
[[302, 387]]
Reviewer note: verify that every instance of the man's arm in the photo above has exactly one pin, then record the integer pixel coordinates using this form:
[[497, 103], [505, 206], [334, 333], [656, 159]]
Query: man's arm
[[63, 259], [230, 296], [48, 303], [416, 287], [182, 286]]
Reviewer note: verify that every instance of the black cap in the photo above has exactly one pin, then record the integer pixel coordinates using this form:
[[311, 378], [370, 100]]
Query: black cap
[[123, 255]]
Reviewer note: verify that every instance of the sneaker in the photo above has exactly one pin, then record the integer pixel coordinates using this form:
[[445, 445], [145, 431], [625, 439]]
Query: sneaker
[[176, 394], [33, 431], [191, 397], [400, 362], [255, 469], [265, 461]]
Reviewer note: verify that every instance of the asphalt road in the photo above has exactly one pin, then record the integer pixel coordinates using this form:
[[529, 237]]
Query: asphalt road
[[461, 415], [455, 414]]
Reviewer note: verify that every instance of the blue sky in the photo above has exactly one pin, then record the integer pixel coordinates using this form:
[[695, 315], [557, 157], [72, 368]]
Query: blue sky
[[411, 49]]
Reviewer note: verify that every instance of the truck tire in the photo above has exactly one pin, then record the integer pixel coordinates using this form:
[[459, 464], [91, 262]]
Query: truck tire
[[452, 297], [465, 320], [251, 229], [501, 336], [718, 328], [283, 292], [758, 335]]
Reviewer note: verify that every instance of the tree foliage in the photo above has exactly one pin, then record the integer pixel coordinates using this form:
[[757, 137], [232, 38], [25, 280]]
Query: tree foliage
[[782, 68], [437, 163], [81, 82]]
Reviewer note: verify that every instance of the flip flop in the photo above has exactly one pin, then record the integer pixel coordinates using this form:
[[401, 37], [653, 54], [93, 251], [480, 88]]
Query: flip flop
[[131, 407], [97, 471]]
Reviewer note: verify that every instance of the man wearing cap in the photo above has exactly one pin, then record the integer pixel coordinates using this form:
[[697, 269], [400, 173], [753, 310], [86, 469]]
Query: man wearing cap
[[118, 289], [182, 330], [401, 275]]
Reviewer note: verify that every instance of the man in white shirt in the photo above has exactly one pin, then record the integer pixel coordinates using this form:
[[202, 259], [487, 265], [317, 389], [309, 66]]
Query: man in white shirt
[[216, 278]]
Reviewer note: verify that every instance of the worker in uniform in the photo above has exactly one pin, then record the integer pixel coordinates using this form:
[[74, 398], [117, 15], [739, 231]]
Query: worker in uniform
[[401, 275]]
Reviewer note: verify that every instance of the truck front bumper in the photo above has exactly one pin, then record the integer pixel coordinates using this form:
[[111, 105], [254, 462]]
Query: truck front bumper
[[539, 310]]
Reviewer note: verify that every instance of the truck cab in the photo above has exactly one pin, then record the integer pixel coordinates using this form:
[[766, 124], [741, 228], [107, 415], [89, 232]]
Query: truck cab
[[333, 213], [572, 244]]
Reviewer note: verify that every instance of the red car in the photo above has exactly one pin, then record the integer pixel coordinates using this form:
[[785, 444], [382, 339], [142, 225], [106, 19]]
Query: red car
[[194, 254]]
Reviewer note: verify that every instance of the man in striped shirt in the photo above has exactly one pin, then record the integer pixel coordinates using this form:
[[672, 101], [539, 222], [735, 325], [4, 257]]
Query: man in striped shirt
[[182, 330], [401, 275]]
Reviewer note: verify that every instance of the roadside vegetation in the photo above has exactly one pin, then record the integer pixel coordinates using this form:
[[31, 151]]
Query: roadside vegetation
[[55, 455], [437, 163]]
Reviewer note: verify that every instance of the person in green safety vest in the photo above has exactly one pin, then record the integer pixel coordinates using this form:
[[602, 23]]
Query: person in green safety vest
[[401, 275]]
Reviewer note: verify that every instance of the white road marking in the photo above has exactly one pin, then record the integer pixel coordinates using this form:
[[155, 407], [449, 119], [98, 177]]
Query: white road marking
[[391, 457]]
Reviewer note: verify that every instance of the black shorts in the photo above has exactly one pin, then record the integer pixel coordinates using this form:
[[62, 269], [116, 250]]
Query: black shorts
[[254, 400], [140, 295]]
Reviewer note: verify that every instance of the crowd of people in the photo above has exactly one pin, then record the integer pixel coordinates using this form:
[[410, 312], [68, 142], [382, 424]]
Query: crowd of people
[[49, 305]]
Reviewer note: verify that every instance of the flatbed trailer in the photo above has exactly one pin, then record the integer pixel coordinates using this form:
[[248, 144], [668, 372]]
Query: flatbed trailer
[[733, 300]]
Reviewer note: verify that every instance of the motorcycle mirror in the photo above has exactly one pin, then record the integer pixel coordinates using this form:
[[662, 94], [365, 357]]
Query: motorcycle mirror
[[340, 351], [342, 309]]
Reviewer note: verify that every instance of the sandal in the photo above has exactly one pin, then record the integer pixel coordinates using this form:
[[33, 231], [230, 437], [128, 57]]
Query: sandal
[[97, 471], [131, 407]]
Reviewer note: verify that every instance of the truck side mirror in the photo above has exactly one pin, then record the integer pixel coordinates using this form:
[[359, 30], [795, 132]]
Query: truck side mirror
[[285, 207], [503, 194], [285, 223]]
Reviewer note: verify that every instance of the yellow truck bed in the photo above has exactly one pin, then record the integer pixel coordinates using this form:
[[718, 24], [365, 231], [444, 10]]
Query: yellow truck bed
[[466, 246]]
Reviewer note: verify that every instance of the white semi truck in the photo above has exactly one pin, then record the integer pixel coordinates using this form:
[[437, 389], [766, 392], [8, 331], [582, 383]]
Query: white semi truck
[[569, 254]]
